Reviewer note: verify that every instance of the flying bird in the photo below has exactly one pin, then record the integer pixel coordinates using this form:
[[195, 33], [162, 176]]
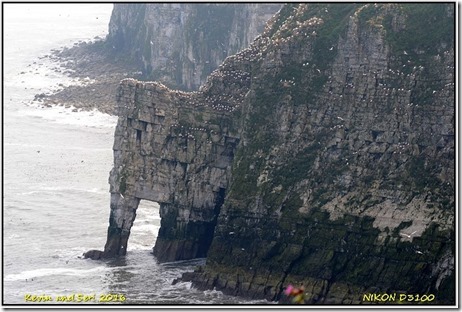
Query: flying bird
[[407, 235]]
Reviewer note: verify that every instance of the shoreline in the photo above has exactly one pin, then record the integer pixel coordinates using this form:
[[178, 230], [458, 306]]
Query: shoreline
[[97, 69]]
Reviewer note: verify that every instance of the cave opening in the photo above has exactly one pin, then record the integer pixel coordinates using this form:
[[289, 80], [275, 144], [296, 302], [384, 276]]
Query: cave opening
[[145, 229]]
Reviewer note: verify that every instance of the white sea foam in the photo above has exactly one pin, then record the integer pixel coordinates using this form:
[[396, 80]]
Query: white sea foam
[[150, 228], [12, 236], [137, 246], [55, 271], [58, 189], [213, 292], [67, 116], [183, 285]]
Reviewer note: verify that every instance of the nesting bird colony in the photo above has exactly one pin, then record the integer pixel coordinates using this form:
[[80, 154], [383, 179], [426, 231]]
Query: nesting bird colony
[[227, 86]]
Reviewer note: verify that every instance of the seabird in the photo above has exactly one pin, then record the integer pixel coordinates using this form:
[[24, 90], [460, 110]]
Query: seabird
[[407, 235]]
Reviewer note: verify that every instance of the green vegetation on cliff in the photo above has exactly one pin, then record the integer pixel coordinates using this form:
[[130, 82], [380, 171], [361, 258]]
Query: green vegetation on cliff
[[333, 165]]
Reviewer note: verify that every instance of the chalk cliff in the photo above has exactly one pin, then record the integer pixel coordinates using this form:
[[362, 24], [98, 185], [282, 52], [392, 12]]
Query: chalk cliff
[[322, 154], [180, 44]]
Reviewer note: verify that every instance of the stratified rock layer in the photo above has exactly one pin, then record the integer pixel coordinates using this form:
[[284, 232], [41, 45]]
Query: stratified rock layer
[[174, 148], [180, 44], [323, 154]]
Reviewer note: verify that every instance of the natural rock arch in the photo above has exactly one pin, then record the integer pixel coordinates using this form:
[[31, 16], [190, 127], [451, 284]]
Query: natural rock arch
[[176, 149]]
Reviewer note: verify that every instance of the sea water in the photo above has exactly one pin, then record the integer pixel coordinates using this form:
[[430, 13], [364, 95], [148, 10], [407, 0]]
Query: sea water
[[56, 165]]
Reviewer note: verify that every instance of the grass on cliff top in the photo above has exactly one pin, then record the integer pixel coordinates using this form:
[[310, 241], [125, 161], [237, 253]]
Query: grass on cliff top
[[428, 26], [415, 32], [262, 122], [335, 18]]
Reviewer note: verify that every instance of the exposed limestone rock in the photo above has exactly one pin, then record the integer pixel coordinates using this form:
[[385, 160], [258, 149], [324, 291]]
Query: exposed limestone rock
[[323, 154], [174, 148], [180, 44]]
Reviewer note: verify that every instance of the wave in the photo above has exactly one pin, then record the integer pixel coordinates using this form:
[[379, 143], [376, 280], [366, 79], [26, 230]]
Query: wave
[[213, 293], [72, 116], [54, 271], [59, 189], [190, 262], [152, 227], [136, 246]]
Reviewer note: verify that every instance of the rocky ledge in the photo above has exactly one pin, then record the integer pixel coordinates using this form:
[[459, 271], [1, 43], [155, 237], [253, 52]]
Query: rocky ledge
[[99, 71]]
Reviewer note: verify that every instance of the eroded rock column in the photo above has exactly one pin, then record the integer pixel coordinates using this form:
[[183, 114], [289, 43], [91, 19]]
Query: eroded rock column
[[123, 213]]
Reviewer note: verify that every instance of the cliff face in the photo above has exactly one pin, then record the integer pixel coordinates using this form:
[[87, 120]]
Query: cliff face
[[181, 44], [323, 154], [177, 149]]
